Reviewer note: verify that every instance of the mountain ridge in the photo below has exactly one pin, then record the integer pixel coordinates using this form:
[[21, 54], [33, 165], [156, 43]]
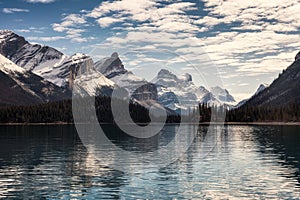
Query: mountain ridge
[[283, 90], [23, 88]]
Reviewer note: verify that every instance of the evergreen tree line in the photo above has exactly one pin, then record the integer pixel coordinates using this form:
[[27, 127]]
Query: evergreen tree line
[[61, 111], [287, 113]]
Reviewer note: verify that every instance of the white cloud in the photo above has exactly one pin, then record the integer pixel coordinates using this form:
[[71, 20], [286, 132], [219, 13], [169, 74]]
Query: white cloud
[[23, 30], [254, 12], [107, 21], [250, 41], [46, 39], [39, 1], [73, 25], [14, 10]]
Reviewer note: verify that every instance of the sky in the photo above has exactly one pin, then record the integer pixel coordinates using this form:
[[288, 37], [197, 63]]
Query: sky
[[235, 44]]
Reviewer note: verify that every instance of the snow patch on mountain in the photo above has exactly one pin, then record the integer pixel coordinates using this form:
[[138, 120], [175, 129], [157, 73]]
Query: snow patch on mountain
[[180, 92], [22, 87], [261, 88], [9, 67], [223, 96], [113, 68]]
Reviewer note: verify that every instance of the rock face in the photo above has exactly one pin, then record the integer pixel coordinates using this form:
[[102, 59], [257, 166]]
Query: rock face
[[87, 80], [53, 65], [113, 68], [178, 93], [23, 88], [282, 91], [41, 60]]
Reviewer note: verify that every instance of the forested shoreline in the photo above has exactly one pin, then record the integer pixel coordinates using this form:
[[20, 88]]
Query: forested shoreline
[[61, 112]]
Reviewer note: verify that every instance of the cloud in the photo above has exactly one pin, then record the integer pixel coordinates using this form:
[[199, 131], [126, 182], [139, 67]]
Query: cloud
[[73, 25], [107, 21], [39, 1], [47, 39], [23, 30], [254, 12], [243, 38], [14, 10]]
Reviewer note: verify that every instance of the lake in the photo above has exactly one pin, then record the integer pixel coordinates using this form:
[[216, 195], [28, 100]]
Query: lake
[[243, 162]]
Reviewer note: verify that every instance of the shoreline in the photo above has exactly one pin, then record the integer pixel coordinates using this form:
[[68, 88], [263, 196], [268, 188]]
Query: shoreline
[[201, 123]]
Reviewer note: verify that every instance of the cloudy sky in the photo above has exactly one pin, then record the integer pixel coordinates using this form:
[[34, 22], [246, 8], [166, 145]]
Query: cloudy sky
[[242, 43]]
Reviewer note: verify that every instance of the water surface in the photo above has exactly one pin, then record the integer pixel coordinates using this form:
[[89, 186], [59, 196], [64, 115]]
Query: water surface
[[248, 162]]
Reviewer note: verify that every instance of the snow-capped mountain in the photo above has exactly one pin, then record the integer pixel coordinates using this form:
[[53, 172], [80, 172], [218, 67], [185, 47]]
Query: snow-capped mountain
[[282, 91], [113, 68], [87, 80], [223, 96], [181, 93], [20, 87], [53, 65], [41, 60], [261, 87]]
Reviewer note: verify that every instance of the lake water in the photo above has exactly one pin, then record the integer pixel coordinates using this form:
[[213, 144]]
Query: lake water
[[246, 162]]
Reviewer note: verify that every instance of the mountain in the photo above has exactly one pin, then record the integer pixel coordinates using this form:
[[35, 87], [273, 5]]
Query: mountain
[[282, 91], [20, 87], [41, 60], [261, 87], [113, 68], [297, 56], [53, 65], [223, 96], [84, 76], [181, 93]]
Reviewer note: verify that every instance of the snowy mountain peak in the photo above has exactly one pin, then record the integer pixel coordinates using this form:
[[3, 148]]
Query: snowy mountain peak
[[164, 73], [110, 66], [5, 32], [261, 88], [23, 87], [79, 57], [188, 77], [223, 95], [183, 88], [297, 56]]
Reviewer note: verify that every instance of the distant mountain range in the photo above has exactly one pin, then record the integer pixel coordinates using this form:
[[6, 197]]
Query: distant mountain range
[[180, 92], [47, 67]]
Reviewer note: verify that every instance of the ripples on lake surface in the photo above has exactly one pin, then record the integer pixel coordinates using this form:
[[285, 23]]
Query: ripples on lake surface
[[248, 162]]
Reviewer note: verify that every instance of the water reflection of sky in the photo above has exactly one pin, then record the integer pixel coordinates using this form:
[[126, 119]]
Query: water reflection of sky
[[248, 162]]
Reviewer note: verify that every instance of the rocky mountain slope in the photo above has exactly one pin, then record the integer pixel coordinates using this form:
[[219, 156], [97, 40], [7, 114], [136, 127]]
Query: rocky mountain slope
[[181, 93], [53, 65], [89, 78], [282, 91], [20, 87], [260, 88], [113, 68]]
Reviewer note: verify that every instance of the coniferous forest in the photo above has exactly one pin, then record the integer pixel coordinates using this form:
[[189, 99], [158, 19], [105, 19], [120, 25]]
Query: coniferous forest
[[61, 112]]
